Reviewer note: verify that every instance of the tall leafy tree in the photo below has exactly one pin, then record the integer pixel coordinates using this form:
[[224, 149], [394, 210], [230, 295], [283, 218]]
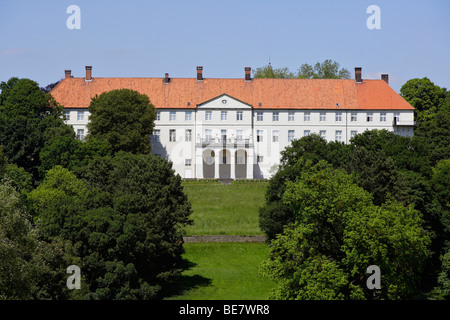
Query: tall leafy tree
[[124, 119], [29, 118], [426, 97], [273, 73], [337, 234]]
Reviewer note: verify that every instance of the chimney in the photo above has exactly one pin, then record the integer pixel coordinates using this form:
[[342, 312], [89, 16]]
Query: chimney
[[385, 77], [248, 74], [166, 78], [88, 73], [358, 78], [68, 74], [199, 73]]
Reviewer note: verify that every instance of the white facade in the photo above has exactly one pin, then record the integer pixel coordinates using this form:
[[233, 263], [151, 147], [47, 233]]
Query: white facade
[[227, 138]]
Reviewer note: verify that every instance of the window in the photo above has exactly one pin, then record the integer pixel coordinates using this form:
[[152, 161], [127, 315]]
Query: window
[[307, 116], [290, 135], [67, 115], [208, 115], [240, 158], [172, 135], [80, 134], [353, 133], [239, 115], [223, 115], [173, 116], [369, 117], [239, 135], [291, 116], [188, 116], [259, 136], [223, 133], [188, 135], [383, 117], [396, 117], [158, 115], [354, 116], [259, 158], [306, 133], [259, 116], [338, 116], [323, 134], [275, 116], [156, 135], [323, 116], [80, 115], [338, 135], [208, 134], [275, 136], [187, 162]]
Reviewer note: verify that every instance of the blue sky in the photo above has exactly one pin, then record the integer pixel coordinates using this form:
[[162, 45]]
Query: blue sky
[[149, 38]]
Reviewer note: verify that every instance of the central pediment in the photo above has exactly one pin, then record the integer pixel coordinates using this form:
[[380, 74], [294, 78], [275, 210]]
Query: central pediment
[[224, 101]]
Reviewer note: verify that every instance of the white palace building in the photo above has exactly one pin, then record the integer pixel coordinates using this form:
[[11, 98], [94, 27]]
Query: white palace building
[[236, 128]]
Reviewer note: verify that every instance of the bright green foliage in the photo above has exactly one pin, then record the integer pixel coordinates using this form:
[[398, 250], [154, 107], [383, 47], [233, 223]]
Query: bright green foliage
[[122, 118], [337, 234], [269, 72], [326, 70], [426, 97], [29, 268]]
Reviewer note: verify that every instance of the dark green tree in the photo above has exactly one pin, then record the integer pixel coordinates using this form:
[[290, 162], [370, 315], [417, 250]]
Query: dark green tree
[[124, 215], [272, 73], [124, 119]]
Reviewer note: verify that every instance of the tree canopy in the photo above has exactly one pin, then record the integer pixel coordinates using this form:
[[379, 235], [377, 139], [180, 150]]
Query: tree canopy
[[124, 119]]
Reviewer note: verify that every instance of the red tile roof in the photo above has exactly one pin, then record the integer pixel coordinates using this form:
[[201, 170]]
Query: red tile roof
[[260, 93]]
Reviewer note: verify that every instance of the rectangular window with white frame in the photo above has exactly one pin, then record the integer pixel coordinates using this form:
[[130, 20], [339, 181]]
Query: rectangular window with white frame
[[259, 116], [259, 159], [223, 115], [307, 116], [66, 115], [291, 135], [208, 115], [354, 117], [306, 133], [338, 136], [383, 117], [208, 135], [239, 135], [291, 116], [80, 115], [188, 116], [172, 135], [239, 116], [80, 134], [156, 135], [274, 135], [323, 117], [188, 135], [369, 116], [158, 115], [338, 116], [259, 135], [275, 116], [173, 116], [188, 162], [353, 133], [396, 117]]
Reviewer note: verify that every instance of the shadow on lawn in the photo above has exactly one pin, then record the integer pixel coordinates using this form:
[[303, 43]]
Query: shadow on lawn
[[182, 283]]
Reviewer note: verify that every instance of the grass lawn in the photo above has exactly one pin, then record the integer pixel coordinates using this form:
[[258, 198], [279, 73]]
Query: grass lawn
[[224, 271], [225, 209]]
